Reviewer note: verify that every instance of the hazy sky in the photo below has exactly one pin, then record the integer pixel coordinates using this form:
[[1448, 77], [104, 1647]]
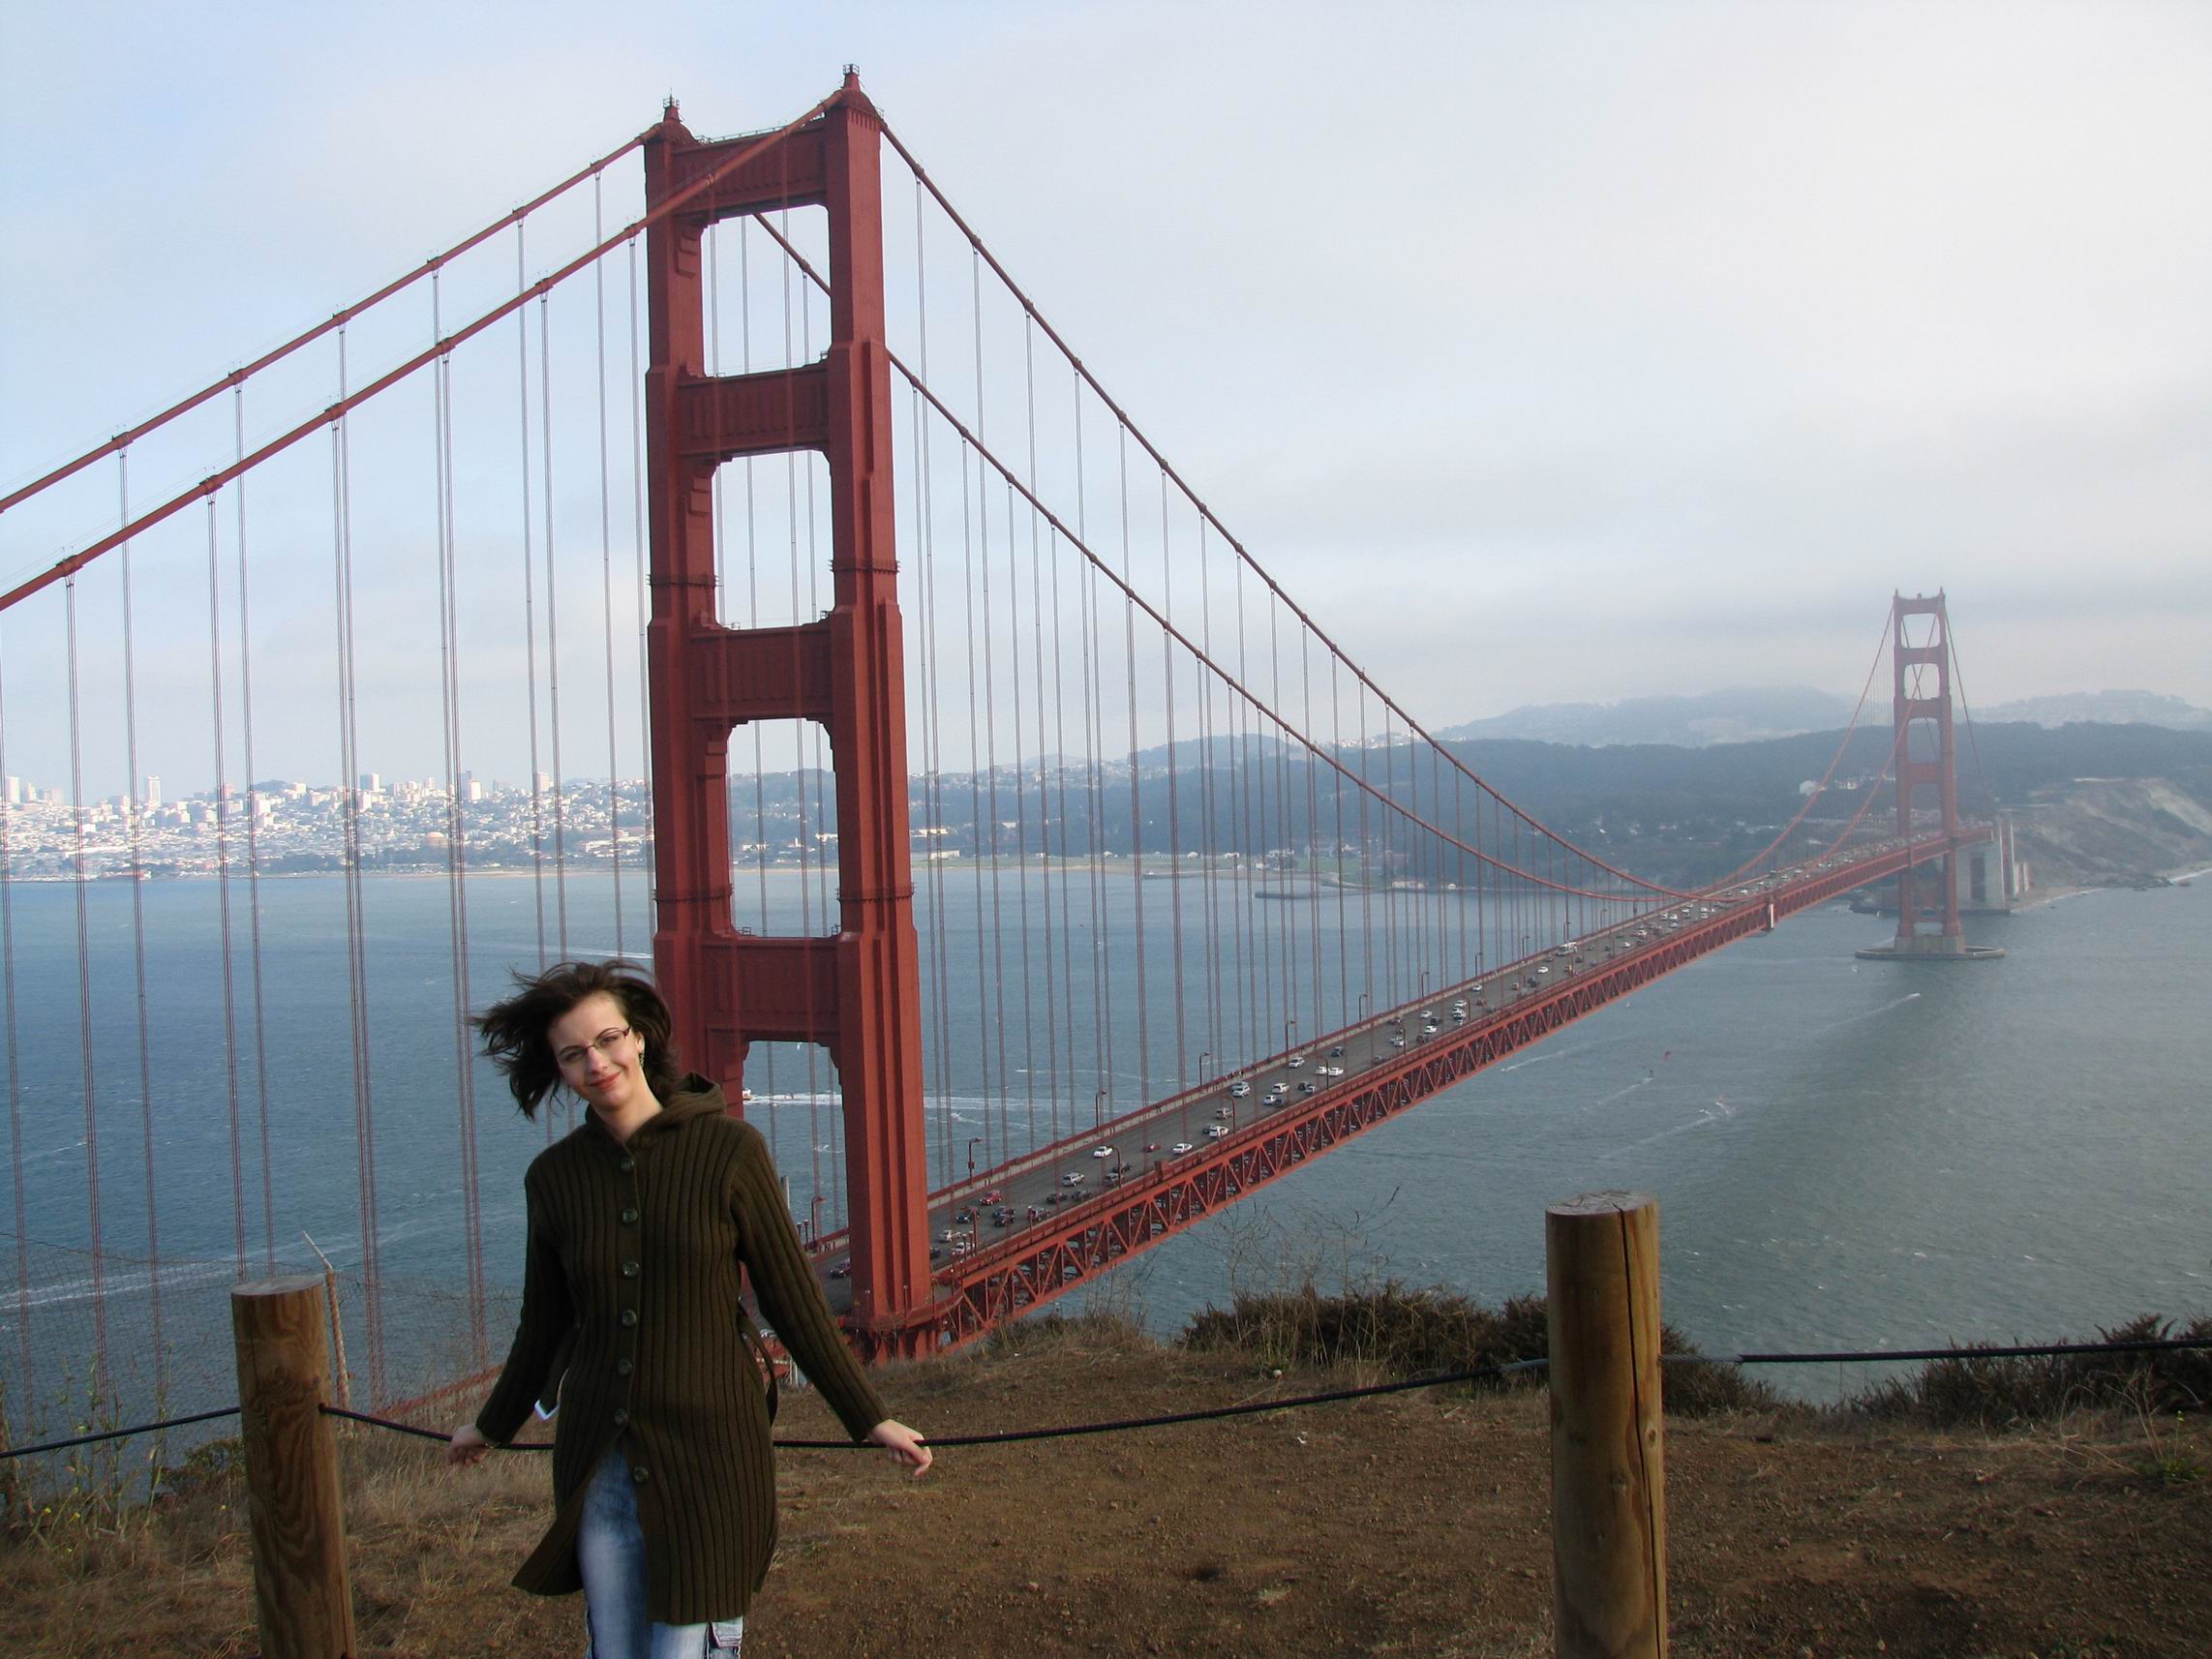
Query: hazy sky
[[1554, 351]]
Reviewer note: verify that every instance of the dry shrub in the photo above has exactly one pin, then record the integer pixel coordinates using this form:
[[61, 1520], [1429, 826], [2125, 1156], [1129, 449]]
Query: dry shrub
[[1992, 1392], [1090, 1331], [1394, 1331]]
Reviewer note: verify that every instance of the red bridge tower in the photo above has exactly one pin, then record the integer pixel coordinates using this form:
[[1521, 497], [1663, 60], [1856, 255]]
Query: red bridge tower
[[1922, 697], [857, 992]]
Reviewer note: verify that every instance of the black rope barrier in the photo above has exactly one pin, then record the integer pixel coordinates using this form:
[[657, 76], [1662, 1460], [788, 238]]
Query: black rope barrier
[[1248, 1409], [2033, 1351], [119, 1434], [1430, 1379]]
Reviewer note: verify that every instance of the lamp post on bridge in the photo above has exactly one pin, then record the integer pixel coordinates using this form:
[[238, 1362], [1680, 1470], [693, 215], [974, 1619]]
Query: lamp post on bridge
[[973, 1139], [1205, 1055], [1097, 1110], [1289, 1034]]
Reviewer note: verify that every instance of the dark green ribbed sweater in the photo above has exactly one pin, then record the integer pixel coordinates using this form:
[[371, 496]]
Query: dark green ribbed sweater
[[637, 1249]]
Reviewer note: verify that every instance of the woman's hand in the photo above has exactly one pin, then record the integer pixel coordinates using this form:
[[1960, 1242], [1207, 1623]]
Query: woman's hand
[[900, 1441], [466, 1447]]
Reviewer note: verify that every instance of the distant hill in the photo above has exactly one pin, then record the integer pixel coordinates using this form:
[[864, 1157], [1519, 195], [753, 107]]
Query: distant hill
[[1739, 714], [2105, 707]]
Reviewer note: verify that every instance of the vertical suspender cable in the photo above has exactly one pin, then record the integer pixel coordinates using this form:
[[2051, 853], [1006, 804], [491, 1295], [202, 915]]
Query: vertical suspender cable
[[990, 733], [85, 1006], [1043, 797], [530, 619], [799, 747], [1211, 835], [932, 714], [223, 885], [553, 628], [639, 595], [1282, 837], [752, 578], [356, 962], [1312, 825], [253, 850], [1135, 790], [607, 568], [1175, 814], [976, 820], [1243, 766], [1094, 747], [1344, 1002], [1020, 811], [932, 948], [826, 798], [456, 855], [134, 809], [15, 1051], [1369, 862]]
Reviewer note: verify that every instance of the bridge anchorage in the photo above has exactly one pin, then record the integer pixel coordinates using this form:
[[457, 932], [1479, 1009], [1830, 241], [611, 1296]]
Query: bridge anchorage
[[1922, 713]]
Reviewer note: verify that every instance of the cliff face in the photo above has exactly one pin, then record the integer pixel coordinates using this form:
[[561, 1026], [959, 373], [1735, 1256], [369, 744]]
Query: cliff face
[[2112, 832]]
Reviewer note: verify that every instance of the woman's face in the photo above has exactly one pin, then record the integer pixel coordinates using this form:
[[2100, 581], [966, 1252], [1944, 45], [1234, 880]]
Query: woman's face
[[600, 1057]]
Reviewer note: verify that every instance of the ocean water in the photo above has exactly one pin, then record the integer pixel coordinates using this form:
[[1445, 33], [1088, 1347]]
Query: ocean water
[[1846, 1154]]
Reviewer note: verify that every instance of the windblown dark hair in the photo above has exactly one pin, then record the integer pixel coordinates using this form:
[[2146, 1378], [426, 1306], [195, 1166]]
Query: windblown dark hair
[[515, 1030]]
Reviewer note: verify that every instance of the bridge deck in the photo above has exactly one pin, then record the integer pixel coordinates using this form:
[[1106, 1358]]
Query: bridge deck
[[1086, 1219]]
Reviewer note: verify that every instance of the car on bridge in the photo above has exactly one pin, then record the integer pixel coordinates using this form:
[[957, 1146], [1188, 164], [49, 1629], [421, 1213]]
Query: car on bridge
[[1180, 1149], [1215, 1131], [1102, 1152], [994, 1196], [1337, 1053], [1295, 1061], [1239, 1089], [1074, 1178]]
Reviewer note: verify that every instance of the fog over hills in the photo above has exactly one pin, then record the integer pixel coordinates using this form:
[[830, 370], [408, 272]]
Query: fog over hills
[[1743, 714]]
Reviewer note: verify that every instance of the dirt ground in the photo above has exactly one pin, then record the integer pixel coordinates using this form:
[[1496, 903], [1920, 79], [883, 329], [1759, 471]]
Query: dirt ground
[[1412, 1524]]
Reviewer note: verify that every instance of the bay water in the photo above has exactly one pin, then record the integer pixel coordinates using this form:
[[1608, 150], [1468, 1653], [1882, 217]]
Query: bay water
[[1847, 1154]]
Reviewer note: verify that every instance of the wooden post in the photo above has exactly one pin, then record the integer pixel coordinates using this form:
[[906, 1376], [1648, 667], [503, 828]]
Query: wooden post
[[1609, 1515], [302, 1599]]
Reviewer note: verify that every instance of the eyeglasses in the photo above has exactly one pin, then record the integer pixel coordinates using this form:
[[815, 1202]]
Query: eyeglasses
[[572, 1058]]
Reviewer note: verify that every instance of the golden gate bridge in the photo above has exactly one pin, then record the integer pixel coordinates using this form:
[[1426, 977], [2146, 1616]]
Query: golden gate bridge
[[1200, 899]]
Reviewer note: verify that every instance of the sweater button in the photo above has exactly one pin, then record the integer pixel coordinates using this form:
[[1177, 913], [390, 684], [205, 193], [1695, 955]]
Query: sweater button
[[624, 1368], [621, 1417], [630, 1270], [630, 1218], [629, 1317], [640, 1473], [628, 1165]]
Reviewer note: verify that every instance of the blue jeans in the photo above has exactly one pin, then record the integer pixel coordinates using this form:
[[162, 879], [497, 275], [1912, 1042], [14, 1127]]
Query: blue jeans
[[610, 1550]]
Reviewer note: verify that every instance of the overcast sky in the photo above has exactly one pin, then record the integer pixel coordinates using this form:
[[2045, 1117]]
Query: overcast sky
[[1554, 352]]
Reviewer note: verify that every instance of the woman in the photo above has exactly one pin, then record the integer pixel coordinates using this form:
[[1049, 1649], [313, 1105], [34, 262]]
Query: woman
[[663, 1477]]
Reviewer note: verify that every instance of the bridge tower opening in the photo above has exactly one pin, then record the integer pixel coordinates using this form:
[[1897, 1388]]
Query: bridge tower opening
[[856, 992]]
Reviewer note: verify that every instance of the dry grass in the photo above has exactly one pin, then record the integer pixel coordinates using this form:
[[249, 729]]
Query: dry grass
[[1409, 1524]]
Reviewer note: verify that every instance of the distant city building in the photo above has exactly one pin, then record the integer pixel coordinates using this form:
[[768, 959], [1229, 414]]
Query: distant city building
[[14, 791], [153, 796], [370, 783]]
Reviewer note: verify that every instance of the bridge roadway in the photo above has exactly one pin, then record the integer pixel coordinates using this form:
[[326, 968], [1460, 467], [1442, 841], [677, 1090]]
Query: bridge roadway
[[1074, 1208]]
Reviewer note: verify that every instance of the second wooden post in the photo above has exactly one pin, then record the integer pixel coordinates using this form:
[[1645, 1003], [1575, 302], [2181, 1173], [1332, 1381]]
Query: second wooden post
[[302, 1599], [1609, 1515]]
